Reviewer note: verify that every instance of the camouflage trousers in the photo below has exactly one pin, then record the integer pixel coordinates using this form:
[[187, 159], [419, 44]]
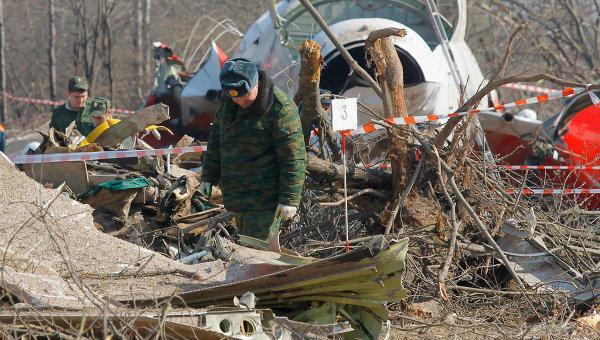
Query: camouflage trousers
[[257, 223]]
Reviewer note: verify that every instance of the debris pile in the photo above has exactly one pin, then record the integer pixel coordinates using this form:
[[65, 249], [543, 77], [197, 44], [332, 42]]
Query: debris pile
[[143, 245], [129, 246]]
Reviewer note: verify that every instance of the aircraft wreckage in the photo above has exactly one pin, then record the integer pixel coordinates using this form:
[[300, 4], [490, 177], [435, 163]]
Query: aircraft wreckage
[[107, 259]]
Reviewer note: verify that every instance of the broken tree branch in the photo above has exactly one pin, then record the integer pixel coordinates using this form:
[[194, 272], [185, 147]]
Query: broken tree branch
[[495, 83], [390, 75], [443, 273], [307, 95], [351, 197], [455, 189], [308, 98], [384, 33], [441, 137], [329, 172], [343, 51]]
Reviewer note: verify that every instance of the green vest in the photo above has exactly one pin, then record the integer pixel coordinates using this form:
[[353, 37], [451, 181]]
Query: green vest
[[63, 117]]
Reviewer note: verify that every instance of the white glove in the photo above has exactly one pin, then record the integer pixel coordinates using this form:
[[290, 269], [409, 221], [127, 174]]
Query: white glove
[[285, 212], [206, 189]]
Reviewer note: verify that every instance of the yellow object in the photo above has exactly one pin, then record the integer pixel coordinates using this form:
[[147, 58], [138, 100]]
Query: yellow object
[[233, 93], [108, 124]]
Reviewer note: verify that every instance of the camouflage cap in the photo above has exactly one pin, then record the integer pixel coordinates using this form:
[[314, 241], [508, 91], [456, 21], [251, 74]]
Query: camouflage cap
[[97, 106], [78, 84], [238, 77]]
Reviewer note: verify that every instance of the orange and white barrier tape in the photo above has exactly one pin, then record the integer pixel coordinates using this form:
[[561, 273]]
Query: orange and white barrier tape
[[528, 88], [92, 156], [411, 120], [551, 167], [547, 192], [51, 102]]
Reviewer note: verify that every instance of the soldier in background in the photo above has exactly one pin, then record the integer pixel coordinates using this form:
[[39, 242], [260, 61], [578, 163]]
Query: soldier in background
[[99, 110], [65, 114], [255, 152]]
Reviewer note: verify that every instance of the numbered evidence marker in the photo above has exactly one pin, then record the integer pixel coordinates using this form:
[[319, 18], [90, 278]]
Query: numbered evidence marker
[[343, 114]]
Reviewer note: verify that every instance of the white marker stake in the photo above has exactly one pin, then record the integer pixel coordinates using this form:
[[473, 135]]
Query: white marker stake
[[169, 161], [345, 190], [344, 118]]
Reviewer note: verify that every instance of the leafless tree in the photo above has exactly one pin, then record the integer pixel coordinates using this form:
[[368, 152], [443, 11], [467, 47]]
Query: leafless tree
[[51, 50], [138, 46], [564, 36], [108, 41], [2, 62]]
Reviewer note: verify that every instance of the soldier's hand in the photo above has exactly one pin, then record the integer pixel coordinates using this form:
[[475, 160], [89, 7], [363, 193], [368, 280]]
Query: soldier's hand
[[285, 212], [206, 189]]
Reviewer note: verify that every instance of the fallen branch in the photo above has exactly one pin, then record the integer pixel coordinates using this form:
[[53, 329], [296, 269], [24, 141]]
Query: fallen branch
[[360, 193], [323, 170], [443, 273], [497, 292], [390, 75], [430, 151]]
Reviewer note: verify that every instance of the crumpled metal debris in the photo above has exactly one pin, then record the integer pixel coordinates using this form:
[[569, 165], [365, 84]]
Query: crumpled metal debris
[[248, 301]]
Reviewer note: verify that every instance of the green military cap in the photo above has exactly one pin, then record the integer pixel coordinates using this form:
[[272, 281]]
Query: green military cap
[[97, 106], [78, 84], [238, 76]]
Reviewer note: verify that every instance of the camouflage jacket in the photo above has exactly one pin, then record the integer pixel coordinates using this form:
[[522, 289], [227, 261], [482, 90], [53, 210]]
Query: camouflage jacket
[[257, 154], [83, 121], [62, 117]]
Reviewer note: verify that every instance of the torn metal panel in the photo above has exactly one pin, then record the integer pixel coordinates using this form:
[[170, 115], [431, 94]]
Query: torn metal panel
[[175, 325], [212, 323], [133, 124], [535, 265], [73, 174], [311, 331], [358, 285]]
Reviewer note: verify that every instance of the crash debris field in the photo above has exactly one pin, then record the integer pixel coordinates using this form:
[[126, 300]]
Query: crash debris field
[[462, 201]]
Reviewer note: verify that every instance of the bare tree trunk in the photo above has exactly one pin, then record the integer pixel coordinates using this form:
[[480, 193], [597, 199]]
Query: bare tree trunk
[[2, 66], [390, 77], [107, 45], [138, 63], [84, 48], [308, 85], [51, 51], [308, 94], [148, 65]]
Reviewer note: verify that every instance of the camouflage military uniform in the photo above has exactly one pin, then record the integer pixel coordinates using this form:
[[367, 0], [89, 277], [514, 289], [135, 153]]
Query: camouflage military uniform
[[84, 123], [258, 157], [63, 116]]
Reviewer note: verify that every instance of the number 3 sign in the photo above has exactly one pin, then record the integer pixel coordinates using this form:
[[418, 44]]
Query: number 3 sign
[[343, 114]]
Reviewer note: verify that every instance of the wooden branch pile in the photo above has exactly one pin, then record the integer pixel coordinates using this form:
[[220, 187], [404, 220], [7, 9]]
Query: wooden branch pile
[[452, 204]]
